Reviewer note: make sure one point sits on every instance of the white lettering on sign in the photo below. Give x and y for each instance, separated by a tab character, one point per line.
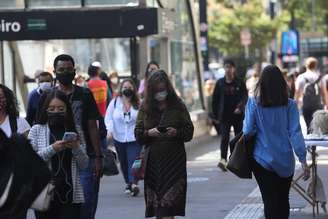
9	26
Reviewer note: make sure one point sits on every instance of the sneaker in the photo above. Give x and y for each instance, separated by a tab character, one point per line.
223	165
127	189
134	190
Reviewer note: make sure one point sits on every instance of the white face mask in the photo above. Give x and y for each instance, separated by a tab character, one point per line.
44	86
160	96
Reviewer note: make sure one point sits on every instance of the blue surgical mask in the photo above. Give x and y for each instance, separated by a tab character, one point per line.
44	86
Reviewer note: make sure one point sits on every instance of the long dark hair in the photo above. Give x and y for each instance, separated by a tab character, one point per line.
149	104
135	100
43	115
12	109
271	90
148	65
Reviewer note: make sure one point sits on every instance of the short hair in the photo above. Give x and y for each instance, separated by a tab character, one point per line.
46	74
92	70
229	62
311	63
63	57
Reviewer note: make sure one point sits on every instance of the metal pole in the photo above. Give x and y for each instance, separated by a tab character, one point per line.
2	78
14	71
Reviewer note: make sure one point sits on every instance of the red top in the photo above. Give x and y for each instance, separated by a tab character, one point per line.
99	90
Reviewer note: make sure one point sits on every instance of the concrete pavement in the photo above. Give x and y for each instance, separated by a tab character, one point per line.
212	194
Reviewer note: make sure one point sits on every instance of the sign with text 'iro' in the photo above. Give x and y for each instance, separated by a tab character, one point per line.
78	23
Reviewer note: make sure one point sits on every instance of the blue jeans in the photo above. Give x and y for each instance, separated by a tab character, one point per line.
127	153
90	186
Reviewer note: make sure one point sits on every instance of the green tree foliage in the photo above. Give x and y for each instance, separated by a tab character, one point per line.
225	27
301	13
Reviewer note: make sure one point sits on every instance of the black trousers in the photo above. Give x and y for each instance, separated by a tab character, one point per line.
237	123
60	211
308	116
275	192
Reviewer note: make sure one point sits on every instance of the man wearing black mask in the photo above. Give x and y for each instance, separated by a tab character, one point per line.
228	103
86	114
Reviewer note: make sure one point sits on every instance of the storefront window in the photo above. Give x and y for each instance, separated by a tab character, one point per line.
183	58
112	2
113	54
11	4
53	3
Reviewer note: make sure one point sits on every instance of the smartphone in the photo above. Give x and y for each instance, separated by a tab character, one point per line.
162	129
70	136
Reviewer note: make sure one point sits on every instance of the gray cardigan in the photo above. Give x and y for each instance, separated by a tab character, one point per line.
39	137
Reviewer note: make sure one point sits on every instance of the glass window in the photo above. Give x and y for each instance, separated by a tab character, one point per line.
14	4
183	58
112	2
53	3
113	54
152	3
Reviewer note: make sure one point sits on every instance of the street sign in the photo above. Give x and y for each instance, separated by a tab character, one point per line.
80	23
245	37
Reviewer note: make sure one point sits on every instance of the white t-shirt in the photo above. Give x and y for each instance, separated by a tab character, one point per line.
302	79
22	126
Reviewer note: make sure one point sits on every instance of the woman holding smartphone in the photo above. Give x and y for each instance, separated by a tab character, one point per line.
120	121
163	125
64	155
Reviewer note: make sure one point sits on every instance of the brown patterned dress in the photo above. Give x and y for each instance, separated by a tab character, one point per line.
166	175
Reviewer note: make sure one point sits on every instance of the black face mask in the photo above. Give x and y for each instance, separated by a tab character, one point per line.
66	77
127	92
56	120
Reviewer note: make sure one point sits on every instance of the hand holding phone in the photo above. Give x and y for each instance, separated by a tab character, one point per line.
162	129
70	136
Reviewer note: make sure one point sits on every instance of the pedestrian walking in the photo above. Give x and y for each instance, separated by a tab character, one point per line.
10	121
99	89
114	82
86	115
274	121
228	102
308	90
151	66
64	156
163	125
45	83
120	121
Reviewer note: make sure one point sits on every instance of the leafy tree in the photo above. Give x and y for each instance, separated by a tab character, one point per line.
226	24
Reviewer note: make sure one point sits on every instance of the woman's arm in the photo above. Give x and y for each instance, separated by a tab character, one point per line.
249	126
295	132
109	117
44	151
139	131
186	132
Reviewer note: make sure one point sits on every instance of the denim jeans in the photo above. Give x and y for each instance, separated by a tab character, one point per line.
90	186
127	153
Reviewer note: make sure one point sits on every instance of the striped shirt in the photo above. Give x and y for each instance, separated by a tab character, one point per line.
39	136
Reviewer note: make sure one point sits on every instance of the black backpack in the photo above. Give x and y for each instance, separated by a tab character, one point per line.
312	95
